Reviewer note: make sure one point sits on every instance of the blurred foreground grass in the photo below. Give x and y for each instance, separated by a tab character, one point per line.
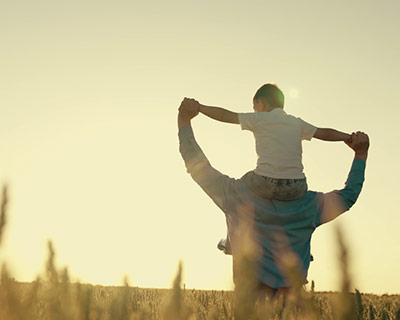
53	296
44	300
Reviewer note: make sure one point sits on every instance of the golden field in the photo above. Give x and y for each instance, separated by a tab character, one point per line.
53	296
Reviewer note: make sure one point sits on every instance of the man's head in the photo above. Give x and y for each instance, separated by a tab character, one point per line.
267	98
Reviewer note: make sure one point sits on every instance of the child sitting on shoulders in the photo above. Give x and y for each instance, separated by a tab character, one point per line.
278	136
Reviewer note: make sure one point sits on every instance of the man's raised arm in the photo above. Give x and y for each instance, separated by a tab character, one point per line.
336	202
210	180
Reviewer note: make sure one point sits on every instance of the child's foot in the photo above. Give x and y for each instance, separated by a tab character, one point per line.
225	246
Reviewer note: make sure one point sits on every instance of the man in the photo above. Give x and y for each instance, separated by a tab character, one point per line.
273	228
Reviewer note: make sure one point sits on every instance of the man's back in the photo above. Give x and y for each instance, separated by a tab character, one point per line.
277	227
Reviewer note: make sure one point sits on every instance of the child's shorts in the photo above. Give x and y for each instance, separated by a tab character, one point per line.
278	189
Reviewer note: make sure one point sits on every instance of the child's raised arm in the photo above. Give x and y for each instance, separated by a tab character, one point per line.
327	134
219	114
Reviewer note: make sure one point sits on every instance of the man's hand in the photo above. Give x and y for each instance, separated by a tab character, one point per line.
359	143
188	109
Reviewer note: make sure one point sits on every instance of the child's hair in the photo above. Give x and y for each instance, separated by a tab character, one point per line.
270	94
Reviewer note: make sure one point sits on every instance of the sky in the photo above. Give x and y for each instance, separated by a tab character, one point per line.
89	92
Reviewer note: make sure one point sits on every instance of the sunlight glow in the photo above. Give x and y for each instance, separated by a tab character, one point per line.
88	133
294	93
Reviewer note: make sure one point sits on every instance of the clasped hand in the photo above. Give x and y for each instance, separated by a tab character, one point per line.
359	142
189	108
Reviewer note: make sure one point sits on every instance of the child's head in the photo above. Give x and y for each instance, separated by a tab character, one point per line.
267	98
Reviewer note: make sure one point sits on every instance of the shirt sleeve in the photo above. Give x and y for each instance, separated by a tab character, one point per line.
307	130
247	120
337	202
214	183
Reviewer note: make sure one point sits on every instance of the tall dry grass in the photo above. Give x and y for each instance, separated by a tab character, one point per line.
54	297
3	209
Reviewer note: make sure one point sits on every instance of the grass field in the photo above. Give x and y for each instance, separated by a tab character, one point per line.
53	296
64	300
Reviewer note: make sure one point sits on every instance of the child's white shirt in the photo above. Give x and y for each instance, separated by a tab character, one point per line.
278	142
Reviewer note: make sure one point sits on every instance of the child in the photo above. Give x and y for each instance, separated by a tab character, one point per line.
279	171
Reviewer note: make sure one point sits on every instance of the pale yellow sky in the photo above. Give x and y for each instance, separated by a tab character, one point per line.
88	138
